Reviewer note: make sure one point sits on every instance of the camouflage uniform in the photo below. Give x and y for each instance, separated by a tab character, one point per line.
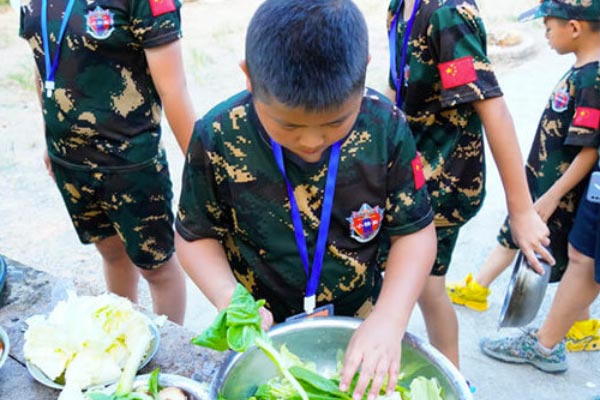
557	142
448	40
103	119
233	191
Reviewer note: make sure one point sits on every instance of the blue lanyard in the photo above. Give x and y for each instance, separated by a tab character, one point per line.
313	273
399	80
51	69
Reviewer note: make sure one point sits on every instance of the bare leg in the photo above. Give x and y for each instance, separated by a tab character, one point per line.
576	292
167	288
120	274
440	318
498	260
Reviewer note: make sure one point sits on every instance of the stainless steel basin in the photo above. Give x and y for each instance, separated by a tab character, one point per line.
319	340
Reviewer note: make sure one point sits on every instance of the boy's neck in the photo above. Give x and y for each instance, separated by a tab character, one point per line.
588	50
408	9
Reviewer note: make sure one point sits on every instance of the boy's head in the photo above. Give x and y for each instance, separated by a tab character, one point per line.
579	10
307	54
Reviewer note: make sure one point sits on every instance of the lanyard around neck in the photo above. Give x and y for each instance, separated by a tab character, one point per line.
51	68
313	274
399	78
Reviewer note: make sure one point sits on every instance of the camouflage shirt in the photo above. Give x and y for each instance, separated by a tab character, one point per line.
233	191
446	70
105	110
561	134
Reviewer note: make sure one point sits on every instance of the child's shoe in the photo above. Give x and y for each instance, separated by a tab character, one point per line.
469	293
584	336
526	349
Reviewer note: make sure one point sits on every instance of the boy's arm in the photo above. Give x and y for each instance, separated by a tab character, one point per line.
207	266
578	169
166	67
212	274
38	91
529	231
376	345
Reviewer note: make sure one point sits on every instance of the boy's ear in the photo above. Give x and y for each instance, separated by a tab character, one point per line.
244	68
576	28
368	58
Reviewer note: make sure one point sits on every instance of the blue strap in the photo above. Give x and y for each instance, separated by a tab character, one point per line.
313	273
51	68
399	79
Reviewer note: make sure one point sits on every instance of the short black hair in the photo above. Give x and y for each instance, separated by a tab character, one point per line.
307	53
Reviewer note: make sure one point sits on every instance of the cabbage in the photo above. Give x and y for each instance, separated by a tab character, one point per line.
85	339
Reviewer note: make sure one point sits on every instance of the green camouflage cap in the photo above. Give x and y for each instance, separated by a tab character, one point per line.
582	10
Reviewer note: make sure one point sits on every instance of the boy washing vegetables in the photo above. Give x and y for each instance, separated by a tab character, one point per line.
305	186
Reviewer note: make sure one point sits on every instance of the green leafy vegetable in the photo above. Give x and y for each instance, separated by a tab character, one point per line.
235	327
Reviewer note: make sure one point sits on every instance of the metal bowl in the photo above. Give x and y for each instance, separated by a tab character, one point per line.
193	389
42	378
5	346
3	273
319	340
524	294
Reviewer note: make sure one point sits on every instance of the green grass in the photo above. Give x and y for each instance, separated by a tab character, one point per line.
23	77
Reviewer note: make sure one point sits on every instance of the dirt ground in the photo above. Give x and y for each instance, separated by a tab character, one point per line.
34	226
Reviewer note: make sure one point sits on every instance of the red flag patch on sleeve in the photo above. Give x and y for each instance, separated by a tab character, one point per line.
160	7
587	117
418	175
457	72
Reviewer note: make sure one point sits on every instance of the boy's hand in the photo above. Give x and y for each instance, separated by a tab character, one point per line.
531	234
546	205
376	348
266	318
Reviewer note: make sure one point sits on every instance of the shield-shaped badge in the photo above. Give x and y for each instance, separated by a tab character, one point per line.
99	23
560	100
365	223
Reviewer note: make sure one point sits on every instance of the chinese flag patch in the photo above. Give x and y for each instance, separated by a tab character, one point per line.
457	72
160	7
587	117
418	175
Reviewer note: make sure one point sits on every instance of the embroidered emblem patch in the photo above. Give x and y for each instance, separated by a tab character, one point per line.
587	117
99	23
560	100
457	72
366	223
160	7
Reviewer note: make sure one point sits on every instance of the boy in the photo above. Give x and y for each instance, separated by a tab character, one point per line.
443	80
570	27
561	158
262	183
107	68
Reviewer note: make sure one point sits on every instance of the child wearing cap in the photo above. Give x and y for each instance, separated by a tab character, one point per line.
560	161
442	78
297	187
570	133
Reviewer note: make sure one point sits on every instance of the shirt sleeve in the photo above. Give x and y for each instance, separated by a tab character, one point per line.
200	214
457	39
408	207
584	129
155	22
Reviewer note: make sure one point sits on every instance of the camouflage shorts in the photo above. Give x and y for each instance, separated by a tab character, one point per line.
559	244
134	203
446	241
